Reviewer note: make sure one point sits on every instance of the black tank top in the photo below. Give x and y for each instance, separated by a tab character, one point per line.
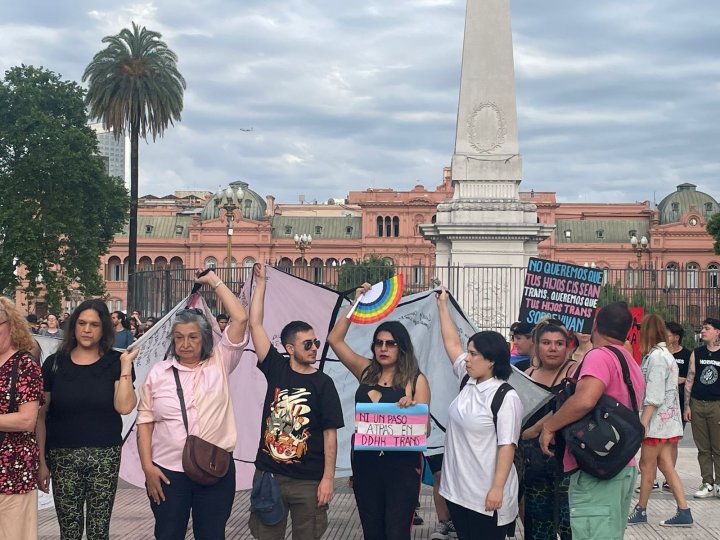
706	386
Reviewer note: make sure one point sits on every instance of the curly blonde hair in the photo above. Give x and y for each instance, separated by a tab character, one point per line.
20	335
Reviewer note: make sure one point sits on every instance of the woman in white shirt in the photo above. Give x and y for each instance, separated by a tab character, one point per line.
479	480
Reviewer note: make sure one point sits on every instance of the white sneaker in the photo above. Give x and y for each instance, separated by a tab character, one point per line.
705	491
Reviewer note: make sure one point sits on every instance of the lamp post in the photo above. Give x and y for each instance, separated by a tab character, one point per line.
303	243
228	199
639	247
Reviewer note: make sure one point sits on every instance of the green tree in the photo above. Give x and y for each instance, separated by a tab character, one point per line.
136	88
372	269
713	228
59	210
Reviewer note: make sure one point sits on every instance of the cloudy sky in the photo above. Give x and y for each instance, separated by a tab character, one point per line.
617	100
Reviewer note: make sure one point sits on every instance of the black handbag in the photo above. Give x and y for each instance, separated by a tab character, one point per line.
609	436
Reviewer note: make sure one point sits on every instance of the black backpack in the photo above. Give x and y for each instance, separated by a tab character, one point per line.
497	400
609	436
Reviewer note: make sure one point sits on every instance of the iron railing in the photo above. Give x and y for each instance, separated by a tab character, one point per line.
489	295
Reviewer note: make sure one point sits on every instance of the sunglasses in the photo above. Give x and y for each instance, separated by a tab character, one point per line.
308	343
389	343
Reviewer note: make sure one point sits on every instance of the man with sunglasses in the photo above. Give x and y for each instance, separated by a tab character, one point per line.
301	415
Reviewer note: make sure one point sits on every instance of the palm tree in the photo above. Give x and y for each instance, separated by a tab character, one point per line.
134	86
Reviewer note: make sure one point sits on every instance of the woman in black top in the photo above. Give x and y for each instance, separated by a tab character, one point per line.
547	512
88	386
386	484
674	339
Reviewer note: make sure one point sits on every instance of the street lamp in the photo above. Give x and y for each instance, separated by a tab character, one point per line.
639	247
228	199
303	243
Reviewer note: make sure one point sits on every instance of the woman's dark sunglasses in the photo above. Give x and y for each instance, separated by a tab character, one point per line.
389	343
308	343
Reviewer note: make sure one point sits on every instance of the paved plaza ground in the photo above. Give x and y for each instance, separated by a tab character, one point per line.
132	518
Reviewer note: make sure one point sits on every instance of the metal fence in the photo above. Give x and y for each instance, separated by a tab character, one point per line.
489	295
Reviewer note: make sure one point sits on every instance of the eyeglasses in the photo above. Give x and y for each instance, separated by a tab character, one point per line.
389	343
308	343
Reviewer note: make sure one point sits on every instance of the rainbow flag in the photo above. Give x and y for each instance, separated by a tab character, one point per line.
378	302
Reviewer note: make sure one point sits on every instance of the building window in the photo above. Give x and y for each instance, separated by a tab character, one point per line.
148	229
388	231
211	262
631	233
379	225
247	204
318	230
115	270
285	264
692	275
178	229
708	207
568	234
348	231
396	226
675	207
712	276
600	234
288	230
671	276
418	275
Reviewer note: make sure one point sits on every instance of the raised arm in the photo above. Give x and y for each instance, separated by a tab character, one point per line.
450	336
257	313
236	331
125	398
355	363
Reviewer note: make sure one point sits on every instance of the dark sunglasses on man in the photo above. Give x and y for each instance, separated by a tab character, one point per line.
308	343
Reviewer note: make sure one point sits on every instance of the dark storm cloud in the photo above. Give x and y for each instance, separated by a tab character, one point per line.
616	100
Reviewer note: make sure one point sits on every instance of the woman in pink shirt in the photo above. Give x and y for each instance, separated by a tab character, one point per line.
202	371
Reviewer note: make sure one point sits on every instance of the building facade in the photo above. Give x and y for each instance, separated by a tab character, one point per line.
188	230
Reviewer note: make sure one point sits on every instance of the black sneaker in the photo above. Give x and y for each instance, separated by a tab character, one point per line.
417	520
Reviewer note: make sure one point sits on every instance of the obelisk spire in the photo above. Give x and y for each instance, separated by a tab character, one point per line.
486	140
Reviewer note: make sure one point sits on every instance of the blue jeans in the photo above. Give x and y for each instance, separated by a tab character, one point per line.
210	505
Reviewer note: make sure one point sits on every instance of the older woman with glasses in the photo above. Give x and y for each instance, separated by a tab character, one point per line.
386	484
188	395
20	397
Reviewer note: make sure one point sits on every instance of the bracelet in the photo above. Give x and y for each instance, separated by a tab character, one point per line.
220	282
125	376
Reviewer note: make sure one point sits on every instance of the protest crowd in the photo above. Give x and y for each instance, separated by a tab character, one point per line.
580	463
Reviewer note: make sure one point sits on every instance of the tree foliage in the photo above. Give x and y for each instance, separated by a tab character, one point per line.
59	209
713	228
136	88
372	269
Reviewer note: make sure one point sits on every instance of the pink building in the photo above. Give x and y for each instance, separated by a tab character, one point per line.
188	230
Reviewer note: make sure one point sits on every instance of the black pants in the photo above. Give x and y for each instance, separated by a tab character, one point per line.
386	491
471	525
210	505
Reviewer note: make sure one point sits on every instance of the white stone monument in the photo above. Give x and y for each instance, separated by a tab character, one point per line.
485	224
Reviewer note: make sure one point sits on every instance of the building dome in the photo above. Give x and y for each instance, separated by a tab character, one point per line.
678	203
252	205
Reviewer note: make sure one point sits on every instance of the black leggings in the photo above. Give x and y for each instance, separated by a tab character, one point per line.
471	525
386	489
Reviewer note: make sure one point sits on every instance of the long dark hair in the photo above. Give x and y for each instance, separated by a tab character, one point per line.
107	338
122	318
406	368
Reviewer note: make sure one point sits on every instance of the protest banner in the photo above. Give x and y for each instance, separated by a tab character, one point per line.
634	334
564	291
388	427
